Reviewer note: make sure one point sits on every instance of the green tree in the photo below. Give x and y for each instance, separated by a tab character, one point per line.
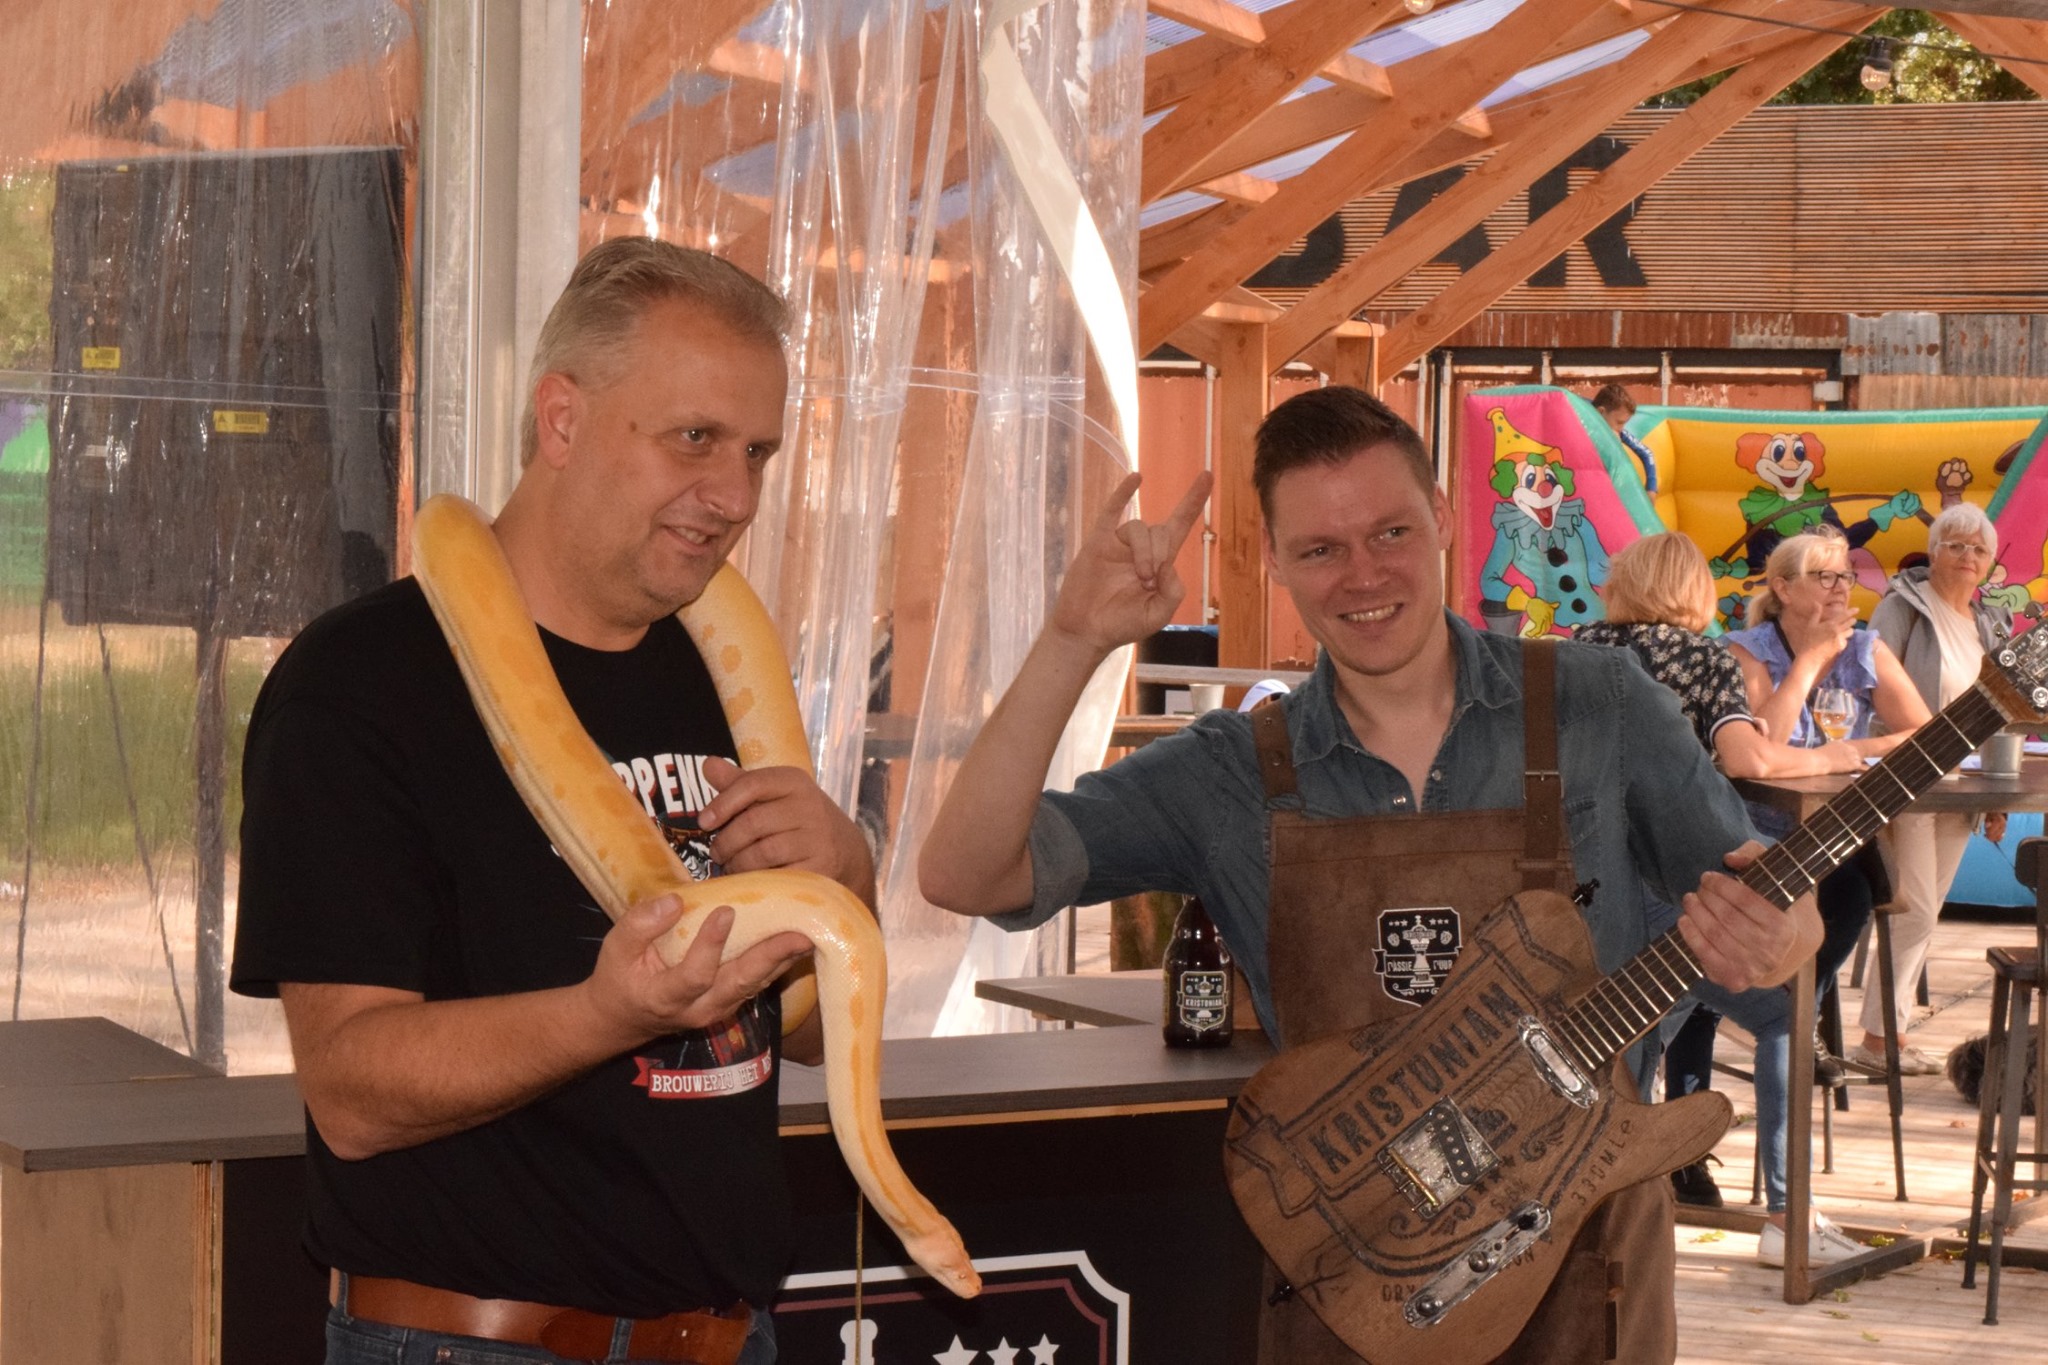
25	198
1931	64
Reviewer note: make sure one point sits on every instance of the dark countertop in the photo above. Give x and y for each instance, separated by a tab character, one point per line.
55	1124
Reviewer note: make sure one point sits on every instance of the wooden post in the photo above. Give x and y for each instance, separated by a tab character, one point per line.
1243	396
1355	357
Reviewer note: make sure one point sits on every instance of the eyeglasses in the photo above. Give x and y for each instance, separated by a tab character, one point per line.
1830	579
1965	547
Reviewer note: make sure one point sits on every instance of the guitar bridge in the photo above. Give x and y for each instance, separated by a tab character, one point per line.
1437	1158
1491	1252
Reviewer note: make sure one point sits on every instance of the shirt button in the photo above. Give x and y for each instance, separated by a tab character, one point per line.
1400	800
1436	774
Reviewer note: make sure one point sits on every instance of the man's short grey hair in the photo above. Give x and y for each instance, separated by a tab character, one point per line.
612	286
1963	521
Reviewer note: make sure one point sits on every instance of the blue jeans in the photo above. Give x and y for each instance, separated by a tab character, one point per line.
1767	1013
356	1341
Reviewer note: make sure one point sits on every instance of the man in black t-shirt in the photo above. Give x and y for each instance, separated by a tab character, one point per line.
522	1125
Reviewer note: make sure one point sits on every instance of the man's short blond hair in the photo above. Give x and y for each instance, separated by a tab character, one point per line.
613	286
1660	580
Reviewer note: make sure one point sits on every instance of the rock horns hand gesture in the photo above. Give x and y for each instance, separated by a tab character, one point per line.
1122	585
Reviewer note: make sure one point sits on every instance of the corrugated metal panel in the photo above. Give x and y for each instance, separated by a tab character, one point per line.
1806	209
1634	329
1985	343
1898	392
1893	343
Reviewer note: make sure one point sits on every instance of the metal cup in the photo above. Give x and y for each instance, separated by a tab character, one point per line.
2001	755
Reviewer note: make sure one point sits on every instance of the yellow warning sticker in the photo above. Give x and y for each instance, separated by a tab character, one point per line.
100	358
240	422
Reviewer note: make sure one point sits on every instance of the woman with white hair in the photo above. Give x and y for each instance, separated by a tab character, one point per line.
1933	620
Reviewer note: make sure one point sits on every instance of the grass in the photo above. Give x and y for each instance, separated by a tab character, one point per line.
85	773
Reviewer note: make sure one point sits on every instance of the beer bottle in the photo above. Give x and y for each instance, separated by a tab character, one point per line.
1197	975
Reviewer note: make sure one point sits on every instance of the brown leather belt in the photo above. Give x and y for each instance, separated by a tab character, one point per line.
696	1338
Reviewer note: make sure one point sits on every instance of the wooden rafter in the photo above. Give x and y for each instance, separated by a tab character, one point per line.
1326	114
1177	72
1251	82
1463	74
1610	93
1181	237
1645	164
1234	24
633	50
2016	37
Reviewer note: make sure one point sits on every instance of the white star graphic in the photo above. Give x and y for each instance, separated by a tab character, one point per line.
1042	1353
956	1355
1003	1353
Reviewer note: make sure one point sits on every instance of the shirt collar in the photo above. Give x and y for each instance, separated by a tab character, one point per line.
1318	724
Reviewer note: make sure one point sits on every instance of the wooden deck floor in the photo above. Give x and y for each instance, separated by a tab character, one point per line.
1732	1309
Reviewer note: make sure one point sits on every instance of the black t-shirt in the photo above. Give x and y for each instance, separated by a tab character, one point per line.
383	845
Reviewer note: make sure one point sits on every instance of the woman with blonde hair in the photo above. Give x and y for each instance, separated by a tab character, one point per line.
1660	597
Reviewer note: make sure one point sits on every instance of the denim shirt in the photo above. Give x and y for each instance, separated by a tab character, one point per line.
1646	810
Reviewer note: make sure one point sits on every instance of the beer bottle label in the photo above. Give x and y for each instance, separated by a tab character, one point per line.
1203	1001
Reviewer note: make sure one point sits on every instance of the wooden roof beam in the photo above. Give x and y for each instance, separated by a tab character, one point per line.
634	49
1608	94
1298	41
1173	74
2015	37
1234	24
1509	120
1645	164
1330	113
1452	81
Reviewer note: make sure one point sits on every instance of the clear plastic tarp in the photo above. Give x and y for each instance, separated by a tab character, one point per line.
203	443
947	438
209	213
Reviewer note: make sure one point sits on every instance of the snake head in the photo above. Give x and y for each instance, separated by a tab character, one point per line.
945	1259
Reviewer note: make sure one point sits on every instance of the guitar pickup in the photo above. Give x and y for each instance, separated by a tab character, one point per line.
1437	1158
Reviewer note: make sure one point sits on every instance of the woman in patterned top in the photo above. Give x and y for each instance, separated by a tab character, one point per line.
1660	596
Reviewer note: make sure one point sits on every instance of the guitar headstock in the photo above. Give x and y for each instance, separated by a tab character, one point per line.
2021	663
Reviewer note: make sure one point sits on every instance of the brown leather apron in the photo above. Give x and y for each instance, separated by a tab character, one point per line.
1342	892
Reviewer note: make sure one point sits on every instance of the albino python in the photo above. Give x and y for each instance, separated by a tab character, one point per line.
615	850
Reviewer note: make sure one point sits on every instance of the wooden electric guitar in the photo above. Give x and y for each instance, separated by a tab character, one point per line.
1420	1182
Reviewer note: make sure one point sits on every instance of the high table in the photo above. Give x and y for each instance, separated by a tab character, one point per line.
1970	793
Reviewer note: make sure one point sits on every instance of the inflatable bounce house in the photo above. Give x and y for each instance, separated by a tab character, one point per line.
1545	492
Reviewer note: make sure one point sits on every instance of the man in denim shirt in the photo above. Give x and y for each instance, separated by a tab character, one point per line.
1406	699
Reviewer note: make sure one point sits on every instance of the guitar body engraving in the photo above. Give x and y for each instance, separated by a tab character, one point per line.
1315	1149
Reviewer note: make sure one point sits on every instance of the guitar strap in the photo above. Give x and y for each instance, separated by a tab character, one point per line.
1545	864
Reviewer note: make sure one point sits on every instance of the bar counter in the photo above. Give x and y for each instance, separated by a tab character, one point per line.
152	1205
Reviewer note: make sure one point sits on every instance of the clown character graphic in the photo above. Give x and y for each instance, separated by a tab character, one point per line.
1787	501
1547	559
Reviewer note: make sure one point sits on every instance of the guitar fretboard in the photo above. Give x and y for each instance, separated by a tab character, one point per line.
1626	1003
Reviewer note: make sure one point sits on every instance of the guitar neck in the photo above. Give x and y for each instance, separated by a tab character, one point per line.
1626	1003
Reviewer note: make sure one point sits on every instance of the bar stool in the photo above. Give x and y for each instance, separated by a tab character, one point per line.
2016	980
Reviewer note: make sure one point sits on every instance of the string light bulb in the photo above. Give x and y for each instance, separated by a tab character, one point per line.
1419	6
1877	65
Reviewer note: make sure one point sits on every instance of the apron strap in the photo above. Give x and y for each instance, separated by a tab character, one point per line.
1544	864
1276	751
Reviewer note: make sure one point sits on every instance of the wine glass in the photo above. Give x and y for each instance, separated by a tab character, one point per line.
1833	711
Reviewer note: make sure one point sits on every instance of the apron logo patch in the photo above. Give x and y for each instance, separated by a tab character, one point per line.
1417	948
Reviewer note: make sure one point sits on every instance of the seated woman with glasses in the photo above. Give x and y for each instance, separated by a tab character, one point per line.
1659	598
1933	620
1808	670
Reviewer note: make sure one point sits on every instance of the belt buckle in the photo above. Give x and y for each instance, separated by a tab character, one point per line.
576	1335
